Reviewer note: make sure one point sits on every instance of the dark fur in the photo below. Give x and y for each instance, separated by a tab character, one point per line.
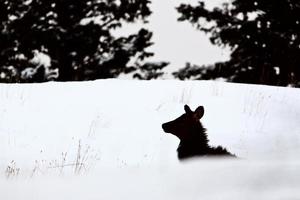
192	135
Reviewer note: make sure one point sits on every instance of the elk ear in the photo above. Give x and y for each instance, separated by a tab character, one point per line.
187	109
199	112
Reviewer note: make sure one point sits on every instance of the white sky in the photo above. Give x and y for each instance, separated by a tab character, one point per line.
179	42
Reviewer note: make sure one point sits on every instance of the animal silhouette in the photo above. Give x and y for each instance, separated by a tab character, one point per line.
192	135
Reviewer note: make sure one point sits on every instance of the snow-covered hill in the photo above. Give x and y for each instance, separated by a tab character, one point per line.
110	131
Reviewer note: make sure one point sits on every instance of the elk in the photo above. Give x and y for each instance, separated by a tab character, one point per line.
192	135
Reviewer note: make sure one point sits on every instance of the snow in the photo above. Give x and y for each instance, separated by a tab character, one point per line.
103	140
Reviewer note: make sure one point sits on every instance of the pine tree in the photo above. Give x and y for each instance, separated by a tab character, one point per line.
75	36
263	35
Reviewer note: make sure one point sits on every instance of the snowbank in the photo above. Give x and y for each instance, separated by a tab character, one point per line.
110	130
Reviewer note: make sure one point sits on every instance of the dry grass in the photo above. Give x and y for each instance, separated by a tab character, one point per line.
12	170
78	164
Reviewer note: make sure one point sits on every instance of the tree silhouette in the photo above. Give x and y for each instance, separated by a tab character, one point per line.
69	40
150	70
263	35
